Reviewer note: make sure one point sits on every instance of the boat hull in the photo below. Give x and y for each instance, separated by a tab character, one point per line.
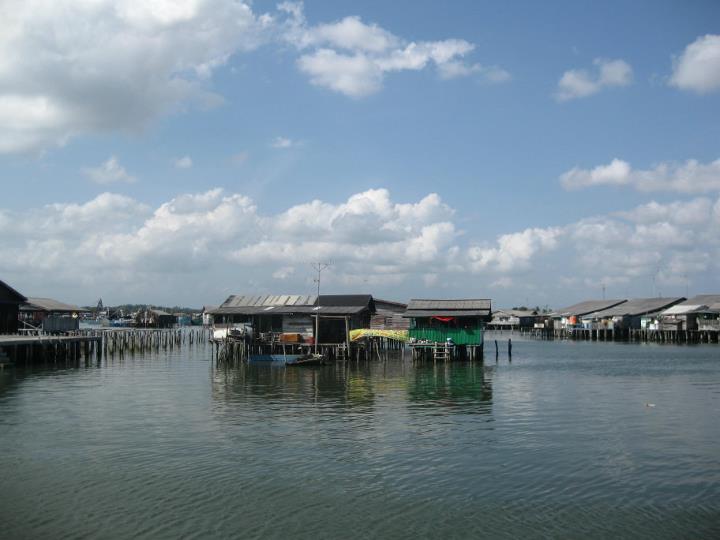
286	359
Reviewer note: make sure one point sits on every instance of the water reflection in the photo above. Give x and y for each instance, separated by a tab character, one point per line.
465	387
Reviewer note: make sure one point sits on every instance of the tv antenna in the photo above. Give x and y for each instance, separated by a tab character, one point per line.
319	267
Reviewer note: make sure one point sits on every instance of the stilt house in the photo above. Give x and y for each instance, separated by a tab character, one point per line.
292	317
436	321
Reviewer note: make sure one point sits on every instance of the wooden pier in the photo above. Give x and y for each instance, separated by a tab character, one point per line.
639	335
26	350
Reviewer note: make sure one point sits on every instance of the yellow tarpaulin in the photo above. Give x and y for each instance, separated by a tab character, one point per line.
397	335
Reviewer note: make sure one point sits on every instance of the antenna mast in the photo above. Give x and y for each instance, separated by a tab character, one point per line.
319	267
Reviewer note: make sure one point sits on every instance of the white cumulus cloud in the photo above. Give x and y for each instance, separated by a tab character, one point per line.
282	142
579	83
689	177
352	57
200	247
698	67
69	68
184	162
109	172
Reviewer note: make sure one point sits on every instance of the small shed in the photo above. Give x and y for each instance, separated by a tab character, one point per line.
51	315
10	301
436	321
709	319
513	319
207	317
155	318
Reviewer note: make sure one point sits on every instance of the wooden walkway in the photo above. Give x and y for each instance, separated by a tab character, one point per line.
28	349
94	343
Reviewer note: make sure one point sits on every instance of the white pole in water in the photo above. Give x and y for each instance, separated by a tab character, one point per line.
319	267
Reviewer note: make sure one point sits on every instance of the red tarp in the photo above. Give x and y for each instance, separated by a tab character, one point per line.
443	319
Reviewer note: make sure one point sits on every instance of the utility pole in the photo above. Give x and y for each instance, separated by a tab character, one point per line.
319	267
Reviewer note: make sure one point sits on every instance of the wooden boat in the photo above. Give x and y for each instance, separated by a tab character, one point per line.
298	360
308	360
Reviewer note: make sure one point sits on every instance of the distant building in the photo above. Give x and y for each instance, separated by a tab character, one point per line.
512	319
709	318
684	316
155	318
633	314
571	316
207	316
50	315
10	301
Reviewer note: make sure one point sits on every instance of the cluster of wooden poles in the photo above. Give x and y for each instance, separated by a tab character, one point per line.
232	351
95	343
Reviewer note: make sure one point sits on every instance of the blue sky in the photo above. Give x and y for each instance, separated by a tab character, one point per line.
169	152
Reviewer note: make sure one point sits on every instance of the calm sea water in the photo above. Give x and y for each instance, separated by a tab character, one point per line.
562	442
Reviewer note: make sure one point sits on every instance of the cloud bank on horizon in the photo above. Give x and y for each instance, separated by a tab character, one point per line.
371	240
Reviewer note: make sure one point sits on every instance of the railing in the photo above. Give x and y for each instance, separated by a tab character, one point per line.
460	336
708	325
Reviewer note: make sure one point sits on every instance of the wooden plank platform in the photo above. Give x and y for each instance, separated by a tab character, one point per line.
12	340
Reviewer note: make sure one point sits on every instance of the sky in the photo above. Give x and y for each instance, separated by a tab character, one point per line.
174	152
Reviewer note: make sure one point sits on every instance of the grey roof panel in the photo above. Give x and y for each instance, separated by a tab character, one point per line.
588	306
447	313
702	300
48	304
444	304
637	306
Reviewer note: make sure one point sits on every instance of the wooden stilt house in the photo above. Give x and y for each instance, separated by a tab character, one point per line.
459	324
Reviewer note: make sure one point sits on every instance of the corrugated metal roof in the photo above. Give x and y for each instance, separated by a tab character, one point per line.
330	304
238	301
48	304
389	304
447	313
516	312
636	306
482	304
683	309
702	300
588	306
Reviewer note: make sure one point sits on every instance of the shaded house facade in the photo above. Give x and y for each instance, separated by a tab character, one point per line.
436	321
389	316
207	317
155	318
630	315
292	317
10	301
51	315
684	316
572	316
709	319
